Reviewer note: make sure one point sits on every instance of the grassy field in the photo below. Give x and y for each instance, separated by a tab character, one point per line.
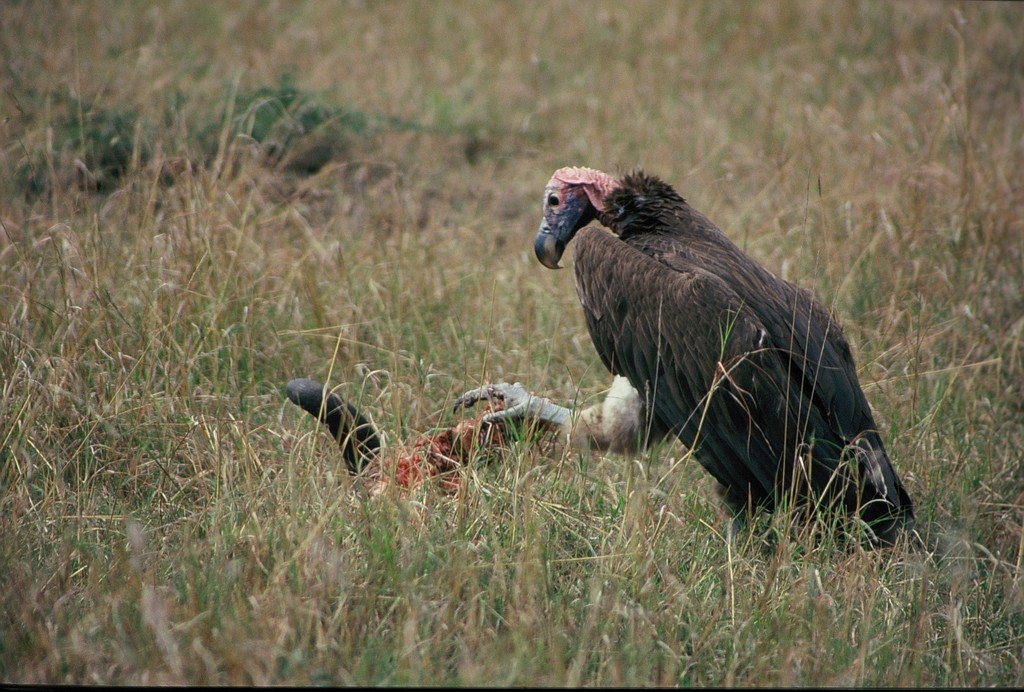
201	201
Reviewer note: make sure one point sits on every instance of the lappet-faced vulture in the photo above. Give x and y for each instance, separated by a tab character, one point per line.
752	373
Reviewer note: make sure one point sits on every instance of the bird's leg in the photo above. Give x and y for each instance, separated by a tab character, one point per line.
618	423
518	405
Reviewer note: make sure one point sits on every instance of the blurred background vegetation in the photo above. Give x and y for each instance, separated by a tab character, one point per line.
200	201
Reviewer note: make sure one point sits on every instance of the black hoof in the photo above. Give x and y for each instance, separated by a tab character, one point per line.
356	436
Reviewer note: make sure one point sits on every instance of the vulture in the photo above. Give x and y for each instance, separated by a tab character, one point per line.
749	371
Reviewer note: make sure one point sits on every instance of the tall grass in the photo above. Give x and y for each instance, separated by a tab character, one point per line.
199	202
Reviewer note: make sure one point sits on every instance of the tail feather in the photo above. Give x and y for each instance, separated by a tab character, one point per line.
886	507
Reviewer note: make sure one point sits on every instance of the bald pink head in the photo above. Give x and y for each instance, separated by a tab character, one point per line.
597	184
573	198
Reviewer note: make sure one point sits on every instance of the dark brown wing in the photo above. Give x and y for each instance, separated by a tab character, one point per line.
712	374
791	315
675	336
816	358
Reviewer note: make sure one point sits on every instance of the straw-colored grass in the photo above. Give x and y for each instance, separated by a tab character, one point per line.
200	201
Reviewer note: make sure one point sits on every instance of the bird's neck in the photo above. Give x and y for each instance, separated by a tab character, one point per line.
607	219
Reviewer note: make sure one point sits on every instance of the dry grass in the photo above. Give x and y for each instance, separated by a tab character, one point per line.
169	258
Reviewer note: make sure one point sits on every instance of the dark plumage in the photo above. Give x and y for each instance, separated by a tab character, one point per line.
749	371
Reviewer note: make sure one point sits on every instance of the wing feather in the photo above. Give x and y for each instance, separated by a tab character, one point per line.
672	341
711	373
792	316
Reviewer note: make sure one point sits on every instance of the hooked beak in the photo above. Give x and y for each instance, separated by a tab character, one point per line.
548	247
